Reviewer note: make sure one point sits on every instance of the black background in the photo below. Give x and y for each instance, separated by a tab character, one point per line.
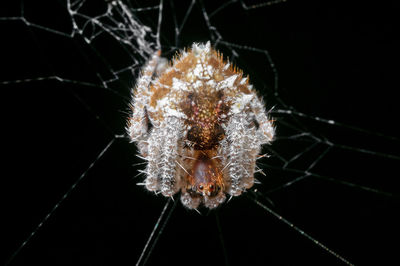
336	60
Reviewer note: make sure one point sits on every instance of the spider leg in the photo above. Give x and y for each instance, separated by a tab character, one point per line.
213	202
137	127
153	175
244	138
266	130
189	201
171	134
240	146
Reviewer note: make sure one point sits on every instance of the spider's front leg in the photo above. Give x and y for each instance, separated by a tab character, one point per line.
170	159
163	157
153	174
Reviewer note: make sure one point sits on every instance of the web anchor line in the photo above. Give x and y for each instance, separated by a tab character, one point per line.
322	177
57	205
297	229
147	250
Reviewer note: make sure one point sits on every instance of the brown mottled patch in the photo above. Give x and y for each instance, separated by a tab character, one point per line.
158	92
168	77
215	62
244	88
186	63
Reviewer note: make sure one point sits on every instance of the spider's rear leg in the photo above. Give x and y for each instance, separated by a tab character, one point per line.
139	123
266	129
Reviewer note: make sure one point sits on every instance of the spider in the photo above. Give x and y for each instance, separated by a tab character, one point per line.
199	125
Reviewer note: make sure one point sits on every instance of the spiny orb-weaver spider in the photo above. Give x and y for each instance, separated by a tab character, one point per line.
200	126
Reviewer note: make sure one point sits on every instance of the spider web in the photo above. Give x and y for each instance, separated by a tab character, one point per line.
326	195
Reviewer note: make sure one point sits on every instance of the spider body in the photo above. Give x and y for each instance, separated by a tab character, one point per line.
200	126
